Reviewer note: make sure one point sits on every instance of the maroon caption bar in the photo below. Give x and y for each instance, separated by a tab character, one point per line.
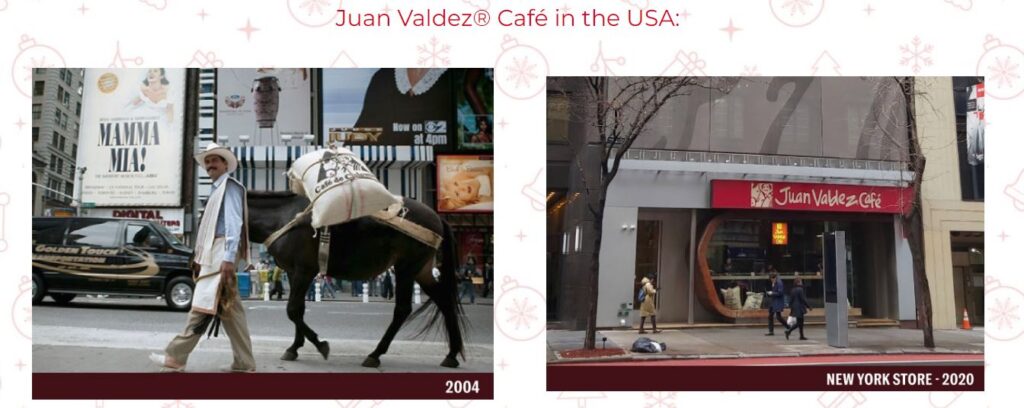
262	386
585	377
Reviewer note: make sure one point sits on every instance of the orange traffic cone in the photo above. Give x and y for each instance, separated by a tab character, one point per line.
967	321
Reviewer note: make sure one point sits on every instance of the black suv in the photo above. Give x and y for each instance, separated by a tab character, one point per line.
108	256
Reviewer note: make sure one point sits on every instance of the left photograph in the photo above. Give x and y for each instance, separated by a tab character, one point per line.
246	223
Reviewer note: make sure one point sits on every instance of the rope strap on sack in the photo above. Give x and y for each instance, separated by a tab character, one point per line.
412	229
287	227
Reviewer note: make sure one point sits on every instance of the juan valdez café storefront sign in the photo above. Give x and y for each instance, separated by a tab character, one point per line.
772	195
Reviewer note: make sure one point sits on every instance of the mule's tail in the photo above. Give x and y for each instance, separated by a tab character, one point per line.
449	297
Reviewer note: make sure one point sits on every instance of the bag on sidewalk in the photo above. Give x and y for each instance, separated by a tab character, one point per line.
791	321
646	345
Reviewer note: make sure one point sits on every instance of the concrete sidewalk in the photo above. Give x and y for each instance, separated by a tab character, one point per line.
718	343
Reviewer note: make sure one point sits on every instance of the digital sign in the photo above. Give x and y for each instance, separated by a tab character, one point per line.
780	234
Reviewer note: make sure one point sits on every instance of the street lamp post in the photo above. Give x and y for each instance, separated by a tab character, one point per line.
77	200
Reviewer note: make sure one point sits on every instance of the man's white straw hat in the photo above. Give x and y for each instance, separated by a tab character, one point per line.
221	151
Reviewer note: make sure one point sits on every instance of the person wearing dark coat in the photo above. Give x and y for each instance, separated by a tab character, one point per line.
798	307
778	303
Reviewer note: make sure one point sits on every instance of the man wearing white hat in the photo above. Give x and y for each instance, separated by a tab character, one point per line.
221	241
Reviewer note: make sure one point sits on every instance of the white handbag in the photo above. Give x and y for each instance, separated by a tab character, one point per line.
791	321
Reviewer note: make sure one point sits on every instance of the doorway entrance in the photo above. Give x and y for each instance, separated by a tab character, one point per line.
968	250
648	248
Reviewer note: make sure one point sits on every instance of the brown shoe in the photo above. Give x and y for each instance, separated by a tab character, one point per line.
642	332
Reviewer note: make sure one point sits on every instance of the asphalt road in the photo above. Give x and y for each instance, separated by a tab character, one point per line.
117	335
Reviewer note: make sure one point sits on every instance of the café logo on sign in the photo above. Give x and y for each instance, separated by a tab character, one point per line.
762	195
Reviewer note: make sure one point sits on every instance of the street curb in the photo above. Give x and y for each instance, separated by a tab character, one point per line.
630	356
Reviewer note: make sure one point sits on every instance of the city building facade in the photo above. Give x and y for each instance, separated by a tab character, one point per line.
737	178
56	113
953	200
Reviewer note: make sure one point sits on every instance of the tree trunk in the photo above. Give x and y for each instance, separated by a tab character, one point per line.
914	227
590	341
913	223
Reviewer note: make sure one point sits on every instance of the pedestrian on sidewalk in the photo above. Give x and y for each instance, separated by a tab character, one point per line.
467	281
326	286
798	307
647	307
263	269
278	285
778	302
387	285
373	287
488	277
221	243
311	292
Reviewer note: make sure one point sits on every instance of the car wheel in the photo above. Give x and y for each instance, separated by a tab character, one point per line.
179	293
62	298
38	289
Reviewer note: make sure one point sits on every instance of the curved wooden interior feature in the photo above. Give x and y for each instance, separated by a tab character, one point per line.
705	286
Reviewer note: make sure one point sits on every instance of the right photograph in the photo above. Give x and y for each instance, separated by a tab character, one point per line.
765	233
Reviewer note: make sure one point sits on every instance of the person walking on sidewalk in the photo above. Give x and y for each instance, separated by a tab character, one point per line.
221	243
778	302
357	288
278	285
798	307
467	281
311	292
488	278
326	286
387	285
647	307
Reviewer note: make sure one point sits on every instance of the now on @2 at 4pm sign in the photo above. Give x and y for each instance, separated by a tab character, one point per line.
130	139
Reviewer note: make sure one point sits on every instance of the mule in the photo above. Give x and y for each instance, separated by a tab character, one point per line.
361	249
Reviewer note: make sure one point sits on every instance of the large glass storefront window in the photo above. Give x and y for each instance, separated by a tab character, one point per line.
744	251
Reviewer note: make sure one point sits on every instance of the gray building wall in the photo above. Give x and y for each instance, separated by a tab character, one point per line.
618	262
904	274
877	292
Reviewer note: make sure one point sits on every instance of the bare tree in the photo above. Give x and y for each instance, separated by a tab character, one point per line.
897	139
912	221
623	107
